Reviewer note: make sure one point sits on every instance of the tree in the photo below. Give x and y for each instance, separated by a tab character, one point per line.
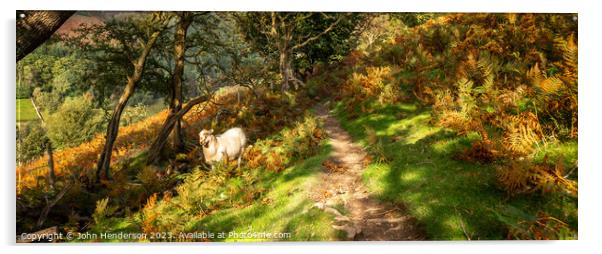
168	125
414	19
283	34
153	27
46	143
35	27
176	80
204	39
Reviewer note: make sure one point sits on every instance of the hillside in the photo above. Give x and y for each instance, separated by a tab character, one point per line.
408	127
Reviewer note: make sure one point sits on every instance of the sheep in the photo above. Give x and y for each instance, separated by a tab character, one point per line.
230	144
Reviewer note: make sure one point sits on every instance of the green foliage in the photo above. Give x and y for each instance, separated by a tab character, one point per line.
68	75
53	68
288	146
102	213
135	113
523	225
304	38
329	48
375	145
109	49
31	141
24	91
47	102
414	19
74	122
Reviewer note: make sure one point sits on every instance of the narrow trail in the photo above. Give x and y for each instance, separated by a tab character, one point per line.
342	193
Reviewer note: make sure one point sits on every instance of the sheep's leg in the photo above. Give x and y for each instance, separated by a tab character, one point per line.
225	158
242	150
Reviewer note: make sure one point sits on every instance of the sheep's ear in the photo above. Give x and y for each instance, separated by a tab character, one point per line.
211	131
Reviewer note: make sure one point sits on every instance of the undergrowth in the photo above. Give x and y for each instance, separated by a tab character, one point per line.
204	197
504	86
453	199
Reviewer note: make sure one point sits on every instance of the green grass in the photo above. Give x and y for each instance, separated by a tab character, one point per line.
451	199
25	111
288	209
284	207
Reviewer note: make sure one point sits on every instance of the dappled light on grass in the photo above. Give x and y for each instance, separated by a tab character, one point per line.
437	189
286	208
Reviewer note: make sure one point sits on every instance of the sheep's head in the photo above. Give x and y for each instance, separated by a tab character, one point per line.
205	137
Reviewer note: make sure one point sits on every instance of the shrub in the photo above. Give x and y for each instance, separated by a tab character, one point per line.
31	141
24	91
133	114
47	101
75	122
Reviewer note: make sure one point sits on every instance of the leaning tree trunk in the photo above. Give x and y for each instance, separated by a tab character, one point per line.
155	150
104	162
35	27
48	143
176	82
51	175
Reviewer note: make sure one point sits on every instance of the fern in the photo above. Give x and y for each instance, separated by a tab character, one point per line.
569	51
515	177
149	215
101	214
466	99
551	85
522	132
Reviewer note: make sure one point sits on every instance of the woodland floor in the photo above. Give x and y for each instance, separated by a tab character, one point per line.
341	192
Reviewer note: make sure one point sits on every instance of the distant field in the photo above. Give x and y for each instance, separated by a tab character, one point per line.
25	110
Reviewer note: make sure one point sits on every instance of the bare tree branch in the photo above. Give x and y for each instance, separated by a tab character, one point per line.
313	38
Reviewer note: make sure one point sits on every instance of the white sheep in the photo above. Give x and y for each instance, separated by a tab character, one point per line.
228	145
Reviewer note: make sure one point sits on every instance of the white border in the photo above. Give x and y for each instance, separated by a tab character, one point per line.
314	5
589	114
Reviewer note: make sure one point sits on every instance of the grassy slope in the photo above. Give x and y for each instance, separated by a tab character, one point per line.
25	110
452	199
288	208
284	208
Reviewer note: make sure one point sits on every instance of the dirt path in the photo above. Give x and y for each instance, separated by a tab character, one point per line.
342	193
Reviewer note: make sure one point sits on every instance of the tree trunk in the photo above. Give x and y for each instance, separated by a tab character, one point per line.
173	117
51	175
176	82
35	27
104	162
284	69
